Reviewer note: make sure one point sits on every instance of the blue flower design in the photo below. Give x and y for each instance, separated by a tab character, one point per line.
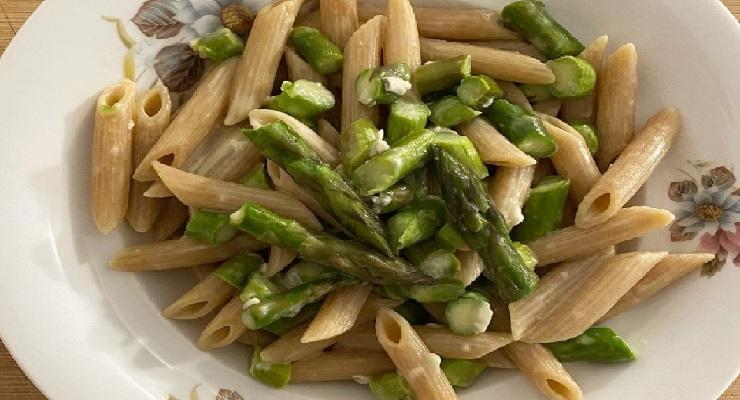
709	209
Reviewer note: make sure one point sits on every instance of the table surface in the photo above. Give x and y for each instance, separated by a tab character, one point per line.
13	382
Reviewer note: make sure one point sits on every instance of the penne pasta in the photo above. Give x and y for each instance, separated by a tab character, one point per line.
630	171
449	345
338	20
361	52
178	253
328	132
279	259
340	366
112	155
667	271
170	219
583	109
256	338
225	328
498	359
338	313
193	123
514	95
202	271
151	118
298	68
471	266
493	147
615	116
508	189
572	242
258	65
401	36
211	194
498	64
360	340
544	370
549	107
311	19
204	297
517	46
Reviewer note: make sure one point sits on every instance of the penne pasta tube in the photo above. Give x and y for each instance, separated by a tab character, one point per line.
498	359
471	266
151	117
112	155
544	370
258	65
170	219
630	171
311	19
449	345
211	194
338	313
549	107
508	189
178	253
360	340
202	271
340	366
279	259
615	116
328	132
361	52
517	46
298	68
225	328
667	271
198	118
204	297
498	64
493	147
338	20
401	36
256	338
514	95
583	109
572	242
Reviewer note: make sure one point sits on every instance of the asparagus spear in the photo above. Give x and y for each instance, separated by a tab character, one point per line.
530	19
450	111
543	209
406	116
307	272
383	85
359	143
283	146
209	227
413	312
256	177
258	288
385	169
219	45
442	291
536	93
302	99
285	305
437	76
483	227
273	374
589	135
528	256
449	237
393	198
236	270
434	258
416	222
283	325
478	91
462	373
599	344
468	314
463	149
390	386
574	77
522	128
323	55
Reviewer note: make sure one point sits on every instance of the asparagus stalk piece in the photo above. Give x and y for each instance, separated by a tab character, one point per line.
406	116
478	91
463	149
307	272
599	344
358	144
543	209
236	270
285	305
219	45
383	85
416	222
574	77
258	288
483	227
385	169
256	177
302	99
530	259
323	55
589	135
468	314
272	374
450	111
209	227
393	198
390	386
442	291
462	373
522	128
434	258
530	19
536	93
449	237
283	325
413	312
440	75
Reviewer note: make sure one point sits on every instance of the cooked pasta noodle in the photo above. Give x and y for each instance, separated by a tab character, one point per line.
508	190
338	313
492	146
544	370
361	52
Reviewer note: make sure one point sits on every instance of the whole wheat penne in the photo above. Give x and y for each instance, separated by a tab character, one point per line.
569	214
312	19
178	253
112	155
198	118
151	117
279	259
327	152
615	116
517	46
498	359
340	366
204	297
258	65
401	36
667	271
359	340
583	109
548	107
499	64
170	219
449	345
328	132
338	313
630	171
338	20
298	68
471	266
361	52
225	328
202	271
211	194
572	242
493	147
256	338
508	189
514	95
544	370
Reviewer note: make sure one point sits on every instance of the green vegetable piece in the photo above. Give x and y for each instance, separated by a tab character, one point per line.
236	270
209	227
461	373
393	198
323	55
463	149
385	169
543	209
269	227
219	45
406	116
437	76
589	135
272	374
258	287
413	312
383	85
478	91
530	19
284	305
307	272
358	144
468	314
434	259
449	237
522	128
599	344
574	77
450	111
416	222
536	93
302	99
256	177
441	291
530	259
283	325
390	386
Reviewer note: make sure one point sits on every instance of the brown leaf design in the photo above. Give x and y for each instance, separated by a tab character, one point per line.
157	18
678	234
721	177
677	189
225	394
714	266
178	66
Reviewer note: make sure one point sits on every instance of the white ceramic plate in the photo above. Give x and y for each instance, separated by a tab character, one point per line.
84	332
